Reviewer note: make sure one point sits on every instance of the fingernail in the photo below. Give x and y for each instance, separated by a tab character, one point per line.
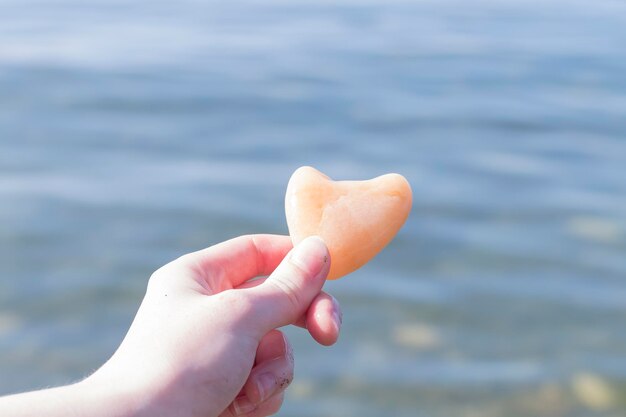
337	321
288	349
266	384
310	255
337	313
243	405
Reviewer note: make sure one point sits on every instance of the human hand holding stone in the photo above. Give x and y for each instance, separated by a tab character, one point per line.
204	341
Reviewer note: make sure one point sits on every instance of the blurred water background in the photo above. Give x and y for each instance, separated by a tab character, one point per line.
133	132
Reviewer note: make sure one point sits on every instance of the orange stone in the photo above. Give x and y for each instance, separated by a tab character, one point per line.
356	219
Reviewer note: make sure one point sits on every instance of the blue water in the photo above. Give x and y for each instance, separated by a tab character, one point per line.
133	132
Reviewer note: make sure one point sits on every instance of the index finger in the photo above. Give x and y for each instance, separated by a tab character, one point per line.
235	261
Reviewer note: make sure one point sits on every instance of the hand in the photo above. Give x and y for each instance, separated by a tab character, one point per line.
204	342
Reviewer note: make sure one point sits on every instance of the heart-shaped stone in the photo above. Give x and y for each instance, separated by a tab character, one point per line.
356	219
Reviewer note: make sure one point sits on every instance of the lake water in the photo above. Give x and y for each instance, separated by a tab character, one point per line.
133	132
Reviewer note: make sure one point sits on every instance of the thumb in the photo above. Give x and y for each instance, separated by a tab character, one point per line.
287	293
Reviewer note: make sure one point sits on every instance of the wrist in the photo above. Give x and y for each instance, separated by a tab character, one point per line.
75	400
123	389
106	395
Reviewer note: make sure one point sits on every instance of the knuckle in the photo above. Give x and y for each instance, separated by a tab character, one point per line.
297	268
288	288
162	277
157	279
184	264
187	258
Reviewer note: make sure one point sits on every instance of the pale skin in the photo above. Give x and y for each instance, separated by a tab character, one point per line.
204	342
